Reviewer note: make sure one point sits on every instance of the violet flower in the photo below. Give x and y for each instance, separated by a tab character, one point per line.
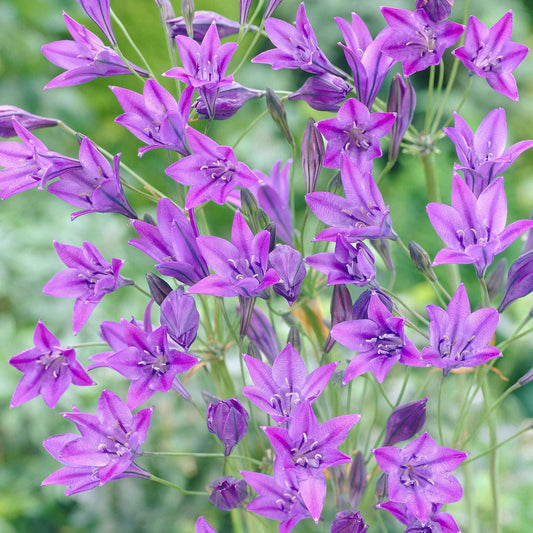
437	523
240	266
474	228
24	118
154	117
519	280
458	337
416	40
228	420
99	13
348	522
482	154
438	10
278	390
419	475
48	369
490	53
379	340
355	133
402	101
202	526
85	58
228	493
360	307
288	264
201	23
181	318
88	278
109	443
323	92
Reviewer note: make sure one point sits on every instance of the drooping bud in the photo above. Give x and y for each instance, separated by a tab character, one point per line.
437	9
201	23
402	101
271	8
187	10
357	479
279	115
495	278
405	421
228	493
360	307
324	92
381	492
294	339
159	288
340	309
24	118
229	99
382	247
250	209
519	280
244	7
228	420
180	316
262	334
348	522
421	260
288	264
313	151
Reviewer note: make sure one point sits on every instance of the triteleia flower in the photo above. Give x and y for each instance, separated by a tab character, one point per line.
202	526
482	154
109	443
474	228
519	280
289	265
405	421
228	420
355	133
278	390
323	92
490	53
85	58
24	118
98	11
416	40
88	278
228	493
348	522
437	523
201	23
240	266
419	474
402	101
458	337
379	340
437	9
181	318
48	369
360	307
154	117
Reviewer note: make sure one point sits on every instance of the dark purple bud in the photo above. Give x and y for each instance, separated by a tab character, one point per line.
437	9
246	308
159	288
228	420
149	219
495	278
381	492
357	479
250	209
340	309
294	339
324	92
288	264
201	22
360	307
180	316
402	101
519	280
382	247
421	260
253	351
244	7
272	6
405	421
279	115
313	151
228	493
229	99
187	10
271	228
28	120
338	477
348	522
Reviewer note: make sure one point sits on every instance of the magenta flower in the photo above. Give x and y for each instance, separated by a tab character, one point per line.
437	522
48	369
24	118
154	117
490	53
416	40
201	23
437	9
106	449
278	390
202	526
348	522
458	337
228	493
379	340
88	278
228	420
98	11
85	58
355	133
474	228
419	475
211	170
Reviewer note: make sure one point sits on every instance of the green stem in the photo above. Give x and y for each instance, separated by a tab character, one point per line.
430	173
140	289
404	386
439	417
87	345
485	300
250	127
515	337
202	455
429	107
174	486
499	445
385	171
384	394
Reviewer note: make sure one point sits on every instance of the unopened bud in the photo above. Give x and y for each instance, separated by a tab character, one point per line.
405	421
381	492
519	280
526	378
228	493
187	10
495	278
250	209
421	260
348	522
402	101
229	99
313	152
357	479
289	266
159	288
360	307
201	22
24	118
438	10
262	218
335	184
294	338
382	247
271	228
149	219
246	308
167	11
181	318
278	114
325	92
271	8
244	7
253	351
340	310
228	420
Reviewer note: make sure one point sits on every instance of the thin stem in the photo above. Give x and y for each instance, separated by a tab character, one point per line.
439	418
429	107
174	486
140	289
405	306
250	127
499	445
485	299
404	386
202	455
513	338
385	171
87	345
384	394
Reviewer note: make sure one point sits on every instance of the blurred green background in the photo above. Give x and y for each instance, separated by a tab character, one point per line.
31	221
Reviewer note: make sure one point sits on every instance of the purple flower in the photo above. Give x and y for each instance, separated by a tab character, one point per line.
228	493
402	101
172	244
458	337
474	228
278	390
360	307
437	523
482	154
88	278
109	443
244	7
24	118
85	58
420	474
48	369
154	117
228	420
296	46
98	11
519	280
240	266
201	23
145	358
437	9
379	340
324	92
202	526
181	318
347	264
405	421
211	170
490	53
348	522
416	40
361	215
288	264
354	132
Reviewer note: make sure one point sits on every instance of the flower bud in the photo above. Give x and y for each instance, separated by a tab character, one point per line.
405	421
495	278
246	308
381	492
228	420
357	479
200	24
382	247
402	101
360	307
253	351
187	10
228	493
149	219
526	378
271	8
348	522
271	228
289	265
335	184
166	9
519	280
159	288
229	99
438	10
250	209
294	339
421	260
279	115
324	92
313	151
340	308
262	334
180	316
244	7
24	118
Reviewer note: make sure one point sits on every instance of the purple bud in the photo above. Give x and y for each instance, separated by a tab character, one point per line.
294	339
279	115
360	307
289	265
28	120
180	316
187	10
159	288
271	228
246	308
324	92
201	23
405	421
421	260
519	280
402	101
526	378
495	278
229	99
262	334
228	420
357	479
244	7
167	11
348	522
313	151
437	9
381	492
228	493
340	309
253	351
272	6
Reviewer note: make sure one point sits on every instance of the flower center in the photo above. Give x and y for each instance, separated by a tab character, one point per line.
53	361
221	169
305	454
484	60
415	475
358	138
